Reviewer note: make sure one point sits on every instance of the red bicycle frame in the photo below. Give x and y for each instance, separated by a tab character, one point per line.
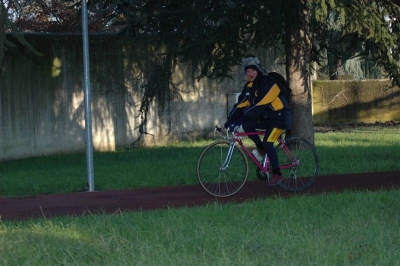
238	136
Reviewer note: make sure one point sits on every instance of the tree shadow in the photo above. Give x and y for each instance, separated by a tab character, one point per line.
353	103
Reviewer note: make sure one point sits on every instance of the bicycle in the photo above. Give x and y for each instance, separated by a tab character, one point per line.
222	167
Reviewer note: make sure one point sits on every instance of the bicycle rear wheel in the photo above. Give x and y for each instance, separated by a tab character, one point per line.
300	170
219	174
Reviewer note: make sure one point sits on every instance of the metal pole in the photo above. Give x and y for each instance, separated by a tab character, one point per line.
88	112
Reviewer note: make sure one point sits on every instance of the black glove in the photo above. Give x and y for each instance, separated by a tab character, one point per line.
241	120
228	123
232	127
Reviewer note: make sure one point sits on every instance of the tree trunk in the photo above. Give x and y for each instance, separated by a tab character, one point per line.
334	63
3	16
298	49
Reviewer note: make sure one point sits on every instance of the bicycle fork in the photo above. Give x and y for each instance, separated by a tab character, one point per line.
228	158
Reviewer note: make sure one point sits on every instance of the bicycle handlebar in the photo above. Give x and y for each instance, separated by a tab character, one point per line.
237	132
218	130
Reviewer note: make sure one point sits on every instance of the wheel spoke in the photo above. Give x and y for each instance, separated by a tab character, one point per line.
217	175
300	176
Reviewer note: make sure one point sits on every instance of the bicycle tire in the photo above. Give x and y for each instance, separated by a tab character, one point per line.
301	175
213	178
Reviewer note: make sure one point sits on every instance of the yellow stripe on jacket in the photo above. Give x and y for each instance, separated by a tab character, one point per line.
272	98
243	104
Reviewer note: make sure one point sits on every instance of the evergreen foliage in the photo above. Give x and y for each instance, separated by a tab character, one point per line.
7	26
365	29
214	35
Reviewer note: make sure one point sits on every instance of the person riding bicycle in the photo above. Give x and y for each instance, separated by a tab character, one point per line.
260	106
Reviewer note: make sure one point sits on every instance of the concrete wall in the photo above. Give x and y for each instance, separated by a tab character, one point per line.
42	108
368	101
42	98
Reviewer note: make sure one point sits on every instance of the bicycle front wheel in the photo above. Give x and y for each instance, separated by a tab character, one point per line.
222	169
299	163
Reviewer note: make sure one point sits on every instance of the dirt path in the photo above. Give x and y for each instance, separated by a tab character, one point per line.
155	198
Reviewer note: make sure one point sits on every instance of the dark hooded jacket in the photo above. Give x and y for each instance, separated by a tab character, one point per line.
261	100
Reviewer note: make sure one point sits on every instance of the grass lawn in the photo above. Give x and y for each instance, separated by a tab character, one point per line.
351	228
369	149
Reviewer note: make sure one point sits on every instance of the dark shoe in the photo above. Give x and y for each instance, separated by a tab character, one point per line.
275	180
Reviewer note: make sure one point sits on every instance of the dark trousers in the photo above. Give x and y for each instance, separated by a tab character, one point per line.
251	126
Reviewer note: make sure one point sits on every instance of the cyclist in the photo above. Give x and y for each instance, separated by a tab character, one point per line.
260	106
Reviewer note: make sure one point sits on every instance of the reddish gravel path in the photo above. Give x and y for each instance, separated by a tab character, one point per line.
155	198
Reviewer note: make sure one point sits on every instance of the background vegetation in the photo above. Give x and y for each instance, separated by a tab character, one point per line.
213	36
352	150
359	228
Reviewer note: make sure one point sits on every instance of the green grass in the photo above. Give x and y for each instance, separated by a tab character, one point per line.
138	168
350	228
358	150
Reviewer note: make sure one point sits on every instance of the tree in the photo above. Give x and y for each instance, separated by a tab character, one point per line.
214	35
298	63
347	29
9	11
57	16
21	16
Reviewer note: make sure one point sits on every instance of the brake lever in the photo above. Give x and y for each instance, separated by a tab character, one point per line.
217	130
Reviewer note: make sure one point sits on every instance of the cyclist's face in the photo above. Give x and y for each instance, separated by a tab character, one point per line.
251	74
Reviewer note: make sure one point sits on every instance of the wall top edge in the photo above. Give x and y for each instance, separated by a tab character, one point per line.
350	80
66	34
